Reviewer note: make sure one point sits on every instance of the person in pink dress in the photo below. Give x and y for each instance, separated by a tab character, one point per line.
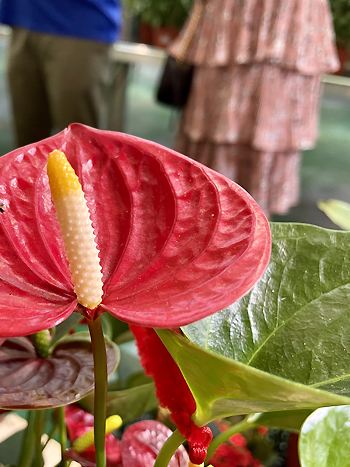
254	101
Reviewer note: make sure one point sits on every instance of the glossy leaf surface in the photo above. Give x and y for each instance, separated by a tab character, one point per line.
325	438
142	442
292	328
337	211
294	324
27	381
223	387
177	241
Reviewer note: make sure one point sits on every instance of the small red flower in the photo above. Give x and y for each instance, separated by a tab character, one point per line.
263	430
229	455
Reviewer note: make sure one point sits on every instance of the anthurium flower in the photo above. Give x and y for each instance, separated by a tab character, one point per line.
139	447
141	443
176	241
78	423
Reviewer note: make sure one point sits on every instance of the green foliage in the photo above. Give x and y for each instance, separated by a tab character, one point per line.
337	211
276	348
290	420
341	19
294	324
160	12
325	438
223	387
129	403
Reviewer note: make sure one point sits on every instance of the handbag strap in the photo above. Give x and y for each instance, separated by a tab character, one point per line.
190	29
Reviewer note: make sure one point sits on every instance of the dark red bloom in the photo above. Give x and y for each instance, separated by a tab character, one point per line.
172	390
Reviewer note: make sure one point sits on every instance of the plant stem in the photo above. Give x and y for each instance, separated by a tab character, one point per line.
27	449
169	448
244	425
39	429
62	432
100	395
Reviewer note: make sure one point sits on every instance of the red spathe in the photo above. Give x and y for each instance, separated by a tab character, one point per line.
177	241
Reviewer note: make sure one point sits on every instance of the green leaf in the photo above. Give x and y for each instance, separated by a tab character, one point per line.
325	438
290	337
63	329
128	403
223	387
114	328
295	322
290	420
337	211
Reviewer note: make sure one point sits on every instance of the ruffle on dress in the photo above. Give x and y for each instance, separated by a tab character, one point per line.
272	178
267	107
296	34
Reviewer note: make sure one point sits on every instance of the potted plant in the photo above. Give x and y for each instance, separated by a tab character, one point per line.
160	20
341	20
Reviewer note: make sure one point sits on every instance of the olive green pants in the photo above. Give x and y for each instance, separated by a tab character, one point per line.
54	81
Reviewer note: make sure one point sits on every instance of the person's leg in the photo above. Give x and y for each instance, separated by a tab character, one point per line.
77	73
28	95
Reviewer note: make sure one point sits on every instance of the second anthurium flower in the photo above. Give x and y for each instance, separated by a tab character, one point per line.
176	241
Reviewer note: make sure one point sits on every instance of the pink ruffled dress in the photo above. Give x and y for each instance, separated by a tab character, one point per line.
254	99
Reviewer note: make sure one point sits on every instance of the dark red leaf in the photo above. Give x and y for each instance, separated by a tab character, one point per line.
177	240
142	442
27	381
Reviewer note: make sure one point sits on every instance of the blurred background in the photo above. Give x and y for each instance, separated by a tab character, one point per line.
149	26
138	58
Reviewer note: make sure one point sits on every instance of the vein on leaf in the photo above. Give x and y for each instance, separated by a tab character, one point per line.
277	328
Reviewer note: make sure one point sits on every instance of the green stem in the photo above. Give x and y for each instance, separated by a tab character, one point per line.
27	449
62	433
100	395
39	429
169	448
244	425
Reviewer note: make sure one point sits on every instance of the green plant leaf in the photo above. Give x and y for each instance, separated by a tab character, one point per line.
325	438
290	420
337	211
223	387
63	329
277	347
128	403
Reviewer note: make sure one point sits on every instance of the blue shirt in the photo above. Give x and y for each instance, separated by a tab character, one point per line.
98	20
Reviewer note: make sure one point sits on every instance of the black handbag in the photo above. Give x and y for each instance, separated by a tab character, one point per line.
176	79
175	83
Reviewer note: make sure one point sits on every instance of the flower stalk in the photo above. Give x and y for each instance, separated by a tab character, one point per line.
100	395
169	448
